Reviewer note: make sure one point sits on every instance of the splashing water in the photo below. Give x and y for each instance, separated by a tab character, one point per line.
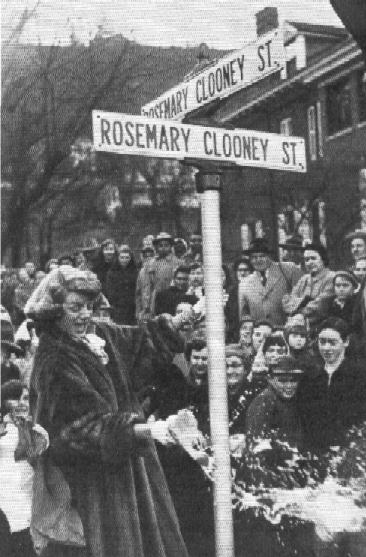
333	497
276	481
331	507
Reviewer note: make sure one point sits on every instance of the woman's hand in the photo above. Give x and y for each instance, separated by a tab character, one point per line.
183	428
186	316
160	432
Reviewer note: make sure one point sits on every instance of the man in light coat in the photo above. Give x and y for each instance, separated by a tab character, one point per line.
310	295
161	268
263	290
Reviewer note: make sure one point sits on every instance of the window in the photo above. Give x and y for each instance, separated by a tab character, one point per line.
339	113
320	128
361	95
286	126
313	152
294	219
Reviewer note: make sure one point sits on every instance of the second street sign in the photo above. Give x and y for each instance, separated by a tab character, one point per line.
136	135
231	73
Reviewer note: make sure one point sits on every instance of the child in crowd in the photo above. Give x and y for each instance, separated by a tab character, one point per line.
20	441
246	337
261	330
342	304
272	347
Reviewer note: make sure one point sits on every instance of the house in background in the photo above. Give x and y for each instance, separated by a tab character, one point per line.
322	98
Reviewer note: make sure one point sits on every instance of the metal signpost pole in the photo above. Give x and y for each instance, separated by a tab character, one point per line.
210	149
209	184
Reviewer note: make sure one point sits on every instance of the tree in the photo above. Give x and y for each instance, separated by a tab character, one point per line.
48	93
45	109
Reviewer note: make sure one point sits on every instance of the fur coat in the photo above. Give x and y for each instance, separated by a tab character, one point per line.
116	484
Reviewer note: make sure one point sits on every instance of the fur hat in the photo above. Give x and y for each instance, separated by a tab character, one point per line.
44	300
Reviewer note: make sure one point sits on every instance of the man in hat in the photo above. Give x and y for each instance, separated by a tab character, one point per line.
143	284
161	270
261	297
310	295
275	409
292	249
357	244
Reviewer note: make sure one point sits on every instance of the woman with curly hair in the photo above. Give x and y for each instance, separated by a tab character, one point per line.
106	494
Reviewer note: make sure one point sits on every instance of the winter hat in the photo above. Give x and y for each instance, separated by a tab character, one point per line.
163	236
348	275
286	366
45	301
258	245
295	330
359	233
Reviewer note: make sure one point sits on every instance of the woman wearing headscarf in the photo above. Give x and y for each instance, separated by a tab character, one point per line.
106	494
121	286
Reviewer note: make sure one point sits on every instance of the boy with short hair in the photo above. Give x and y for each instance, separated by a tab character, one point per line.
275	409
341	304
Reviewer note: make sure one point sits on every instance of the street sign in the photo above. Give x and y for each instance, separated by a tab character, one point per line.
137	135
235	71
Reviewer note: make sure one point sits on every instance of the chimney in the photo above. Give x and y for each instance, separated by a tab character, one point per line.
267	19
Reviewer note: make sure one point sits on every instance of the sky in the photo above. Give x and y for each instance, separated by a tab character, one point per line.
222	24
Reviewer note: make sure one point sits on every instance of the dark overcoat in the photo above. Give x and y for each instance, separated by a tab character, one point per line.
120	288
329	409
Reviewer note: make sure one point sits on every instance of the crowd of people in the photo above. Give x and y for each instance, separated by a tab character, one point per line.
104	377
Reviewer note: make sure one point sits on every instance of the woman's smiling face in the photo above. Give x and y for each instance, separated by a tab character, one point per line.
78	310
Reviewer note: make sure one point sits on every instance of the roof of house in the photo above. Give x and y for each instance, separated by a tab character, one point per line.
316	29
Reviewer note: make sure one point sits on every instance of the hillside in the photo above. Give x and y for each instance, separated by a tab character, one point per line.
48	93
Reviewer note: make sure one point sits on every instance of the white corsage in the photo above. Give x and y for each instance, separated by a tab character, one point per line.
96	345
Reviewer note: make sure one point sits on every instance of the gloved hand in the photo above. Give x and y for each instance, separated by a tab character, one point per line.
160	432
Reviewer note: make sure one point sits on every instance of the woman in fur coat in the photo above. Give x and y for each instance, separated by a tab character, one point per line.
99	488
